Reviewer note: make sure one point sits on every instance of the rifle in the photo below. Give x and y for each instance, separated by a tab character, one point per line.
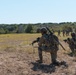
54	38
68	39
65	40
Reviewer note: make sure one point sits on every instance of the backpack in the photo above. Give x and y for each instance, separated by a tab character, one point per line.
51	39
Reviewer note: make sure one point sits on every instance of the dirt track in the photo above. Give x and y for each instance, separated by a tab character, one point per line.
20	60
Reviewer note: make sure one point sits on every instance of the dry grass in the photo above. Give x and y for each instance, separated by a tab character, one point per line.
19	40
16	39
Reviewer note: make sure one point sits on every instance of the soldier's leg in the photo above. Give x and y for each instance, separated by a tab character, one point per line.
54	57
40	55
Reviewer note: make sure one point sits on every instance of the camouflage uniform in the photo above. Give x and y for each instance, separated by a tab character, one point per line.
72	42
45	46
59	32
63	32
67	32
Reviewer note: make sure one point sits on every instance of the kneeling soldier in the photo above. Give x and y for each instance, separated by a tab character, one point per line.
47	46
72	42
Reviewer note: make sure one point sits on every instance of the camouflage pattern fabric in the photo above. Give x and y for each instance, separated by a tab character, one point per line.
48	45
72	44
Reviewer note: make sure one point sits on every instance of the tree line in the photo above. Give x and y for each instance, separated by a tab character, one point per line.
34	28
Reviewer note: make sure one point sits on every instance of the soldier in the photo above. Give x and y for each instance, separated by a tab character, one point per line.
73	47
67	32
47	46
59	32
63	32
72	42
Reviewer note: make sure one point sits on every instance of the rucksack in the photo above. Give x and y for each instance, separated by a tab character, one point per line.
52	39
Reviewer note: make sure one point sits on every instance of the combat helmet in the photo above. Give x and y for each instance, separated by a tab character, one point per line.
43	30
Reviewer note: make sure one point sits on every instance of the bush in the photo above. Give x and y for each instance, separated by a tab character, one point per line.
29	29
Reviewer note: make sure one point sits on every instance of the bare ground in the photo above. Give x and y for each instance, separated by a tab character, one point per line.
21	60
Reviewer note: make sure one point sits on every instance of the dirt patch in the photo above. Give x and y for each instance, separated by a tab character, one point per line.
16	61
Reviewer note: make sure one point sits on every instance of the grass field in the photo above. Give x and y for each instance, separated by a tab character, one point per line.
16	39
13	40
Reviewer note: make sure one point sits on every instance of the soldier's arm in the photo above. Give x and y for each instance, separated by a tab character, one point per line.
37	40
68	40
34	42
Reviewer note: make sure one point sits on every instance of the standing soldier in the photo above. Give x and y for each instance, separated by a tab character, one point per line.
67	32
63	32
59	32
47	46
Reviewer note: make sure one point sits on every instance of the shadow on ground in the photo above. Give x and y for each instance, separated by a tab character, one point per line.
43	67
46	68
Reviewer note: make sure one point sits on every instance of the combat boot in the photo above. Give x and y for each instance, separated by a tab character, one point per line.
40	57
56	63
39	61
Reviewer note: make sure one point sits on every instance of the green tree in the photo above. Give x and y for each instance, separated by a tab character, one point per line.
29	29
2	31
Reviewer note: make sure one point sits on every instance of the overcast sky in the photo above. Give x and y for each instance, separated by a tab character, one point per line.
37	11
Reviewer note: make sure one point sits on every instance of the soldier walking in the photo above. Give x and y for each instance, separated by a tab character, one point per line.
59	32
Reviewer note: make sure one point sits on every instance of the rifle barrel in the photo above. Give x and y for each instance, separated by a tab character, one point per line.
54	39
